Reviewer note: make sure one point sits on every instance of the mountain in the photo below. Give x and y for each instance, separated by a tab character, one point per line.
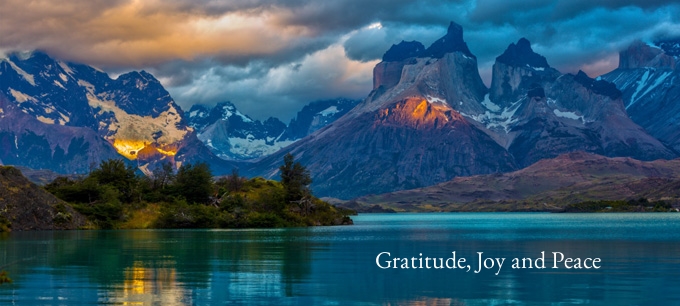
26	206
430	118
567	179
133	113
232	135
315	116
649	79
405	134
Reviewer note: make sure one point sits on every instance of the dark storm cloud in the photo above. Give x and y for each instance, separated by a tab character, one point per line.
272	57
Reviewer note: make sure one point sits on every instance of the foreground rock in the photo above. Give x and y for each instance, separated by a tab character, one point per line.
25	206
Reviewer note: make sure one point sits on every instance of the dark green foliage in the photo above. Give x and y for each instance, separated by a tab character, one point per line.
295	179
190	199
115	173
194	183
639	205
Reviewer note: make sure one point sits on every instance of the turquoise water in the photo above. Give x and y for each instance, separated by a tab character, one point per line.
640	263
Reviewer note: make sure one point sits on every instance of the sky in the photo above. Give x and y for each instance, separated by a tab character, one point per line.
270	58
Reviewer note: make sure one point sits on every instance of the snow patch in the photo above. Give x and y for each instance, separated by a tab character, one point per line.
431	99
329	111
495	120
250	147
66	68
641	84
536	68
59	84
27	76
230	110
490	105
568	115
63	77
45	120
20	96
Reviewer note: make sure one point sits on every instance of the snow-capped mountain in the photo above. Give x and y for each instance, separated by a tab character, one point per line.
232	135
235	136
430	118
133	112
649	78
316	115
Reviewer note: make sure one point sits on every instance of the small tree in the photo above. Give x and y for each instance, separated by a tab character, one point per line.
194	183
115	173
295	179
163	176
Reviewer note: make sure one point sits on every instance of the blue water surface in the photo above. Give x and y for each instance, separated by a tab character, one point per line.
639	253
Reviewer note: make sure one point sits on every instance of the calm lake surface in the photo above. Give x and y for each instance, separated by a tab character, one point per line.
640	256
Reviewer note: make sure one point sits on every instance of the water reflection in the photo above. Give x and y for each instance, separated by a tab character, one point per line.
336	265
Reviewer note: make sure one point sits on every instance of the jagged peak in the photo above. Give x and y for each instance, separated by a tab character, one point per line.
451	42
642	55
670	46
403	50
521	54
600	87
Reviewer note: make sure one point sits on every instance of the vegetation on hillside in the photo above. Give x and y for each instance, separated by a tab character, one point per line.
640	205
115	196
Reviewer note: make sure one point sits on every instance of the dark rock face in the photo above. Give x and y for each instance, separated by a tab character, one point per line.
521	54
28	207
403	50
518	70
450	43
641	55
650	85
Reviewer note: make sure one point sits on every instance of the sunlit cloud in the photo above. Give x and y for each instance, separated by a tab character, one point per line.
271	57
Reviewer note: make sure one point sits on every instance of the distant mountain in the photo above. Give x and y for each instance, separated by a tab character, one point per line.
430	118
315	116
133	113
649	78
232	135
548	184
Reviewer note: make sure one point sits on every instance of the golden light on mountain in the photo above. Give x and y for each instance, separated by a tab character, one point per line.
129	148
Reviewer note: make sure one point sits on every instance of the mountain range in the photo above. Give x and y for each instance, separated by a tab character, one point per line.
428	119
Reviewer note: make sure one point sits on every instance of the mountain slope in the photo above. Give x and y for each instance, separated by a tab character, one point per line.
133	112
649	78
28	207
569	178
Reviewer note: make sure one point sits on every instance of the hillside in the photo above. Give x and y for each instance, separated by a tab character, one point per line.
25	206
546	185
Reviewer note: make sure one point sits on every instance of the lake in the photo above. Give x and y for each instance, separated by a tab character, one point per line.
639	253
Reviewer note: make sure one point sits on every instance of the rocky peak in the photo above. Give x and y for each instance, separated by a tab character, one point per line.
518	70
642	55
600	87
403	50
670	47
521	54
451	42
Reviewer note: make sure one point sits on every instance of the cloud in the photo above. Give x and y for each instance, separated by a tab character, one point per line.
271	57
283	90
